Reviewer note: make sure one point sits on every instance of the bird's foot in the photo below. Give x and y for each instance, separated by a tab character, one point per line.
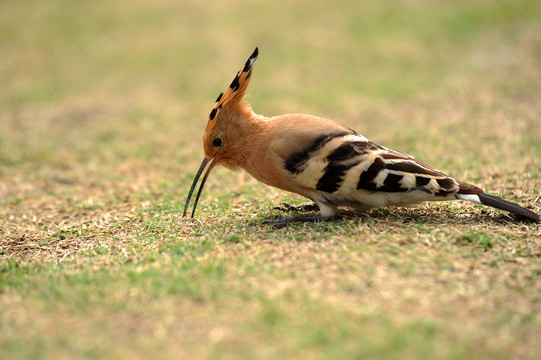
311	206
282	222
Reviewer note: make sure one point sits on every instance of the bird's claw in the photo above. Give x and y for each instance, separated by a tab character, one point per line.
276	224
302	207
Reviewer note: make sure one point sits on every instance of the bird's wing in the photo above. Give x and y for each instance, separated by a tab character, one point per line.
343	162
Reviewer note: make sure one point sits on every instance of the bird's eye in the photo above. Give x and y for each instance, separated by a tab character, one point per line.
217	142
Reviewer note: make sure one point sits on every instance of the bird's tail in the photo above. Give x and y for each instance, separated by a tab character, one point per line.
474	194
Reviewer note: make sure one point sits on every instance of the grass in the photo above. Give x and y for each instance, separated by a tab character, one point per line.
102	108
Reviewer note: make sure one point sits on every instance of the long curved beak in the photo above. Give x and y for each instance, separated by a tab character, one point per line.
199	172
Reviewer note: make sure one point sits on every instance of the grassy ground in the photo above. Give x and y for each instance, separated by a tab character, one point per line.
102	108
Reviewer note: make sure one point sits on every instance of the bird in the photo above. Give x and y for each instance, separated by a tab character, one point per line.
322	160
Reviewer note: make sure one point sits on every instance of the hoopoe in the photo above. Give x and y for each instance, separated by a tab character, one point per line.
322	160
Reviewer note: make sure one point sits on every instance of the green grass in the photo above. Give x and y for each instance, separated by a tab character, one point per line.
102	108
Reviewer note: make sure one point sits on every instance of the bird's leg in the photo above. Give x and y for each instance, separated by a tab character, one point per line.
311	206
282	222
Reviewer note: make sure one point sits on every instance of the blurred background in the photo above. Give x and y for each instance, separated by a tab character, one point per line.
91	85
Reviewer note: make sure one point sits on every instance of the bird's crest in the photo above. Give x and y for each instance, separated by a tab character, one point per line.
233	95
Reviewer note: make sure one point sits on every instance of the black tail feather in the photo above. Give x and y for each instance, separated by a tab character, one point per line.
499	203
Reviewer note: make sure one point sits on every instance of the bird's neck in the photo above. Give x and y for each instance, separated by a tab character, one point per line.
247	129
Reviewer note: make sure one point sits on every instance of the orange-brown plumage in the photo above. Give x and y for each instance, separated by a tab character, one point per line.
322	160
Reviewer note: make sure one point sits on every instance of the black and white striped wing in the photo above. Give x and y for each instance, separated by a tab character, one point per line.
346	164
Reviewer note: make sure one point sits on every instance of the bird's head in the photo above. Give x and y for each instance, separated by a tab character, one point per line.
223	137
